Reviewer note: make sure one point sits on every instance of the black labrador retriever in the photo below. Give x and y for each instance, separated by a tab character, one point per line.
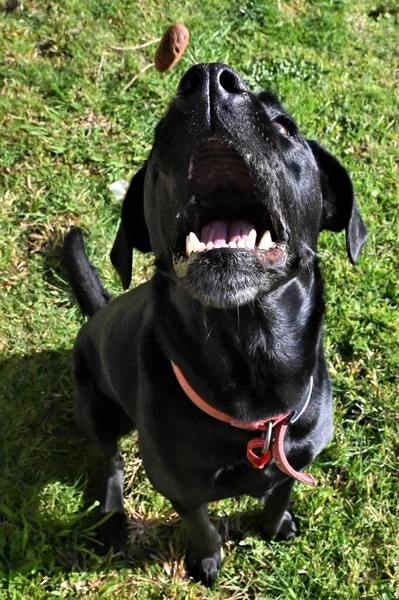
218	360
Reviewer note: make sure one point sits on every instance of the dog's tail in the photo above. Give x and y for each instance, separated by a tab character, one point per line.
82	276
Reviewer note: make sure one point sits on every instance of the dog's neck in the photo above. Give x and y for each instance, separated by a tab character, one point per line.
267	348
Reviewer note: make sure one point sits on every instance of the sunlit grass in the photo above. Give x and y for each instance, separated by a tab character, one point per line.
67	132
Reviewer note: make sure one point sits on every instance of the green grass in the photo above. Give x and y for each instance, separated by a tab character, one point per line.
67	132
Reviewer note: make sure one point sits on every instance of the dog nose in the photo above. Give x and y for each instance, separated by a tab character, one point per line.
211	80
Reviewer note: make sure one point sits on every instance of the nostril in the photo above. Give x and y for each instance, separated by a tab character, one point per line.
230	82
212	78
190	83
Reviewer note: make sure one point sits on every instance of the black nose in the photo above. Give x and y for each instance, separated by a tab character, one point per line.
211	82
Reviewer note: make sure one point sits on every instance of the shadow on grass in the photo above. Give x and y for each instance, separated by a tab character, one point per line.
44	458
48	480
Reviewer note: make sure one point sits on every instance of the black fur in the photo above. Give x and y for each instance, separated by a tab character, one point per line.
245	331
82	276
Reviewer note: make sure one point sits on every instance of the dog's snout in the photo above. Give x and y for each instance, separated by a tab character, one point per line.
229	81
191	82
214	80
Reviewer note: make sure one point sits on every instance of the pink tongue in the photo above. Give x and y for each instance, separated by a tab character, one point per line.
220	233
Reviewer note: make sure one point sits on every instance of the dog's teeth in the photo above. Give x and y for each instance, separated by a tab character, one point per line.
189	247
251	239
241	244
232	245
265	241
195	243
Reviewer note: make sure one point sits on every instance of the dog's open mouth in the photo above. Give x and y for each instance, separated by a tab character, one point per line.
225	213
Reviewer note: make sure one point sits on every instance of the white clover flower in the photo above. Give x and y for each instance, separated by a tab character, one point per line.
119	188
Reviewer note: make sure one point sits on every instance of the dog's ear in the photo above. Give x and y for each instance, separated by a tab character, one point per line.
132	232
339	206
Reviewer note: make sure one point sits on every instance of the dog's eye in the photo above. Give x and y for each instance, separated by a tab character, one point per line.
280	128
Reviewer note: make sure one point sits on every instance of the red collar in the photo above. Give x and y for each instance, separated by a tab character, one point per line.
272	444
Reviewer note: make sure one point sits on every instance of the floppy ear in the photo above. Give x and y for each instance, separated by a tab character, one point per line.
339	206
132	232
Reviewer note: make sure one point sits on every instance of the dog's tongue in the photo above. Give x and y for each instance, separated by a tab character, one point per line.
236	234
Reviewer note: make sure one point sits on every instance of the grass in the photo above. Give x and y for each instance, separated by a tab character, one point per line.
67	132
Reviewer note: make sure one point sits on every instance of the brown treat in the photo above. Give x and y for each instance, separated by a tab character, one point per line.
171	47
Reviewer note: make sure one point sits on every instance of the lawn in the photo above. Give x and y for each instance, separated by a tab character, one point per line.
68	130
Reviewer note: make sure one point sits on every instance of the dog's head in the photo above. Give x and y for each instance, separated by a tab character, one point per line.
232	198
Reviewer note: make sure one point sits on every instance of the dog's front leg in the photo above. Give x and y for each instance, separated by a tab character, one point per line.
204	555
276	520
112	533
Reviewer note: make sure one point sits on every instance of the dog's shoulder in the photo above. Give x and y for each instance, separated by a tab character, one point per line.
127	314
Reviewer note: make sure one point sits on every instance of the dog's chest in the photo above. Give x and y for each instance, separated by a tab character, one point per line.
239	478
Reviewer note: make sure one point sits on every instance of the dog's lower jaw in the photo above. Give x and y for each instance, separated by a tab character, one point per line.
227	281
222	294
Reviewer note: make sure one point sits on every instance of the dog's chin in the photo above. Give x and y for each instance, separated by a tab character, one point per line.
221	278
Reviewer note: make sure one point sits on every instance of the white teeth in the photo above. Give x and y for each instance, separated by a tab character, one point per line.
251	239
189	247
193	244
265	241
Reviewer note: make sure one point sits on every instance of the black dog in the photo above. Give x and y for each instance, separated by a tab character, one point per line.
226	337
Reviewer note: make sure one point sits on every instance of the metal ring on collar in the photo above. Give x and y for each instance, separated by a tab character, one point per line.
268	437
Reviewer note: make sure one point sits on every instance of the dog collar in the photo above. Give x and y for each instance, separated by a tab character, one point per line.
274	428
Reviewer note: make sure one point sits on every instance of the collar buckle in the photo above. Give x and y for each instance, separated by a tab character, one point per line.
267	436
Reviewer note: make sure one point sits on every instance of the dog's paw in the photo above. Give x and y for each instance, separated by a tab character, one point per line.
111	534
286	529
203	568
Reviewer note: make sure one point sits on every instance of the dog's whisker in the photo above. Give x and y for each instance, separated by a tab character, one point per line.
205	325
212	328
